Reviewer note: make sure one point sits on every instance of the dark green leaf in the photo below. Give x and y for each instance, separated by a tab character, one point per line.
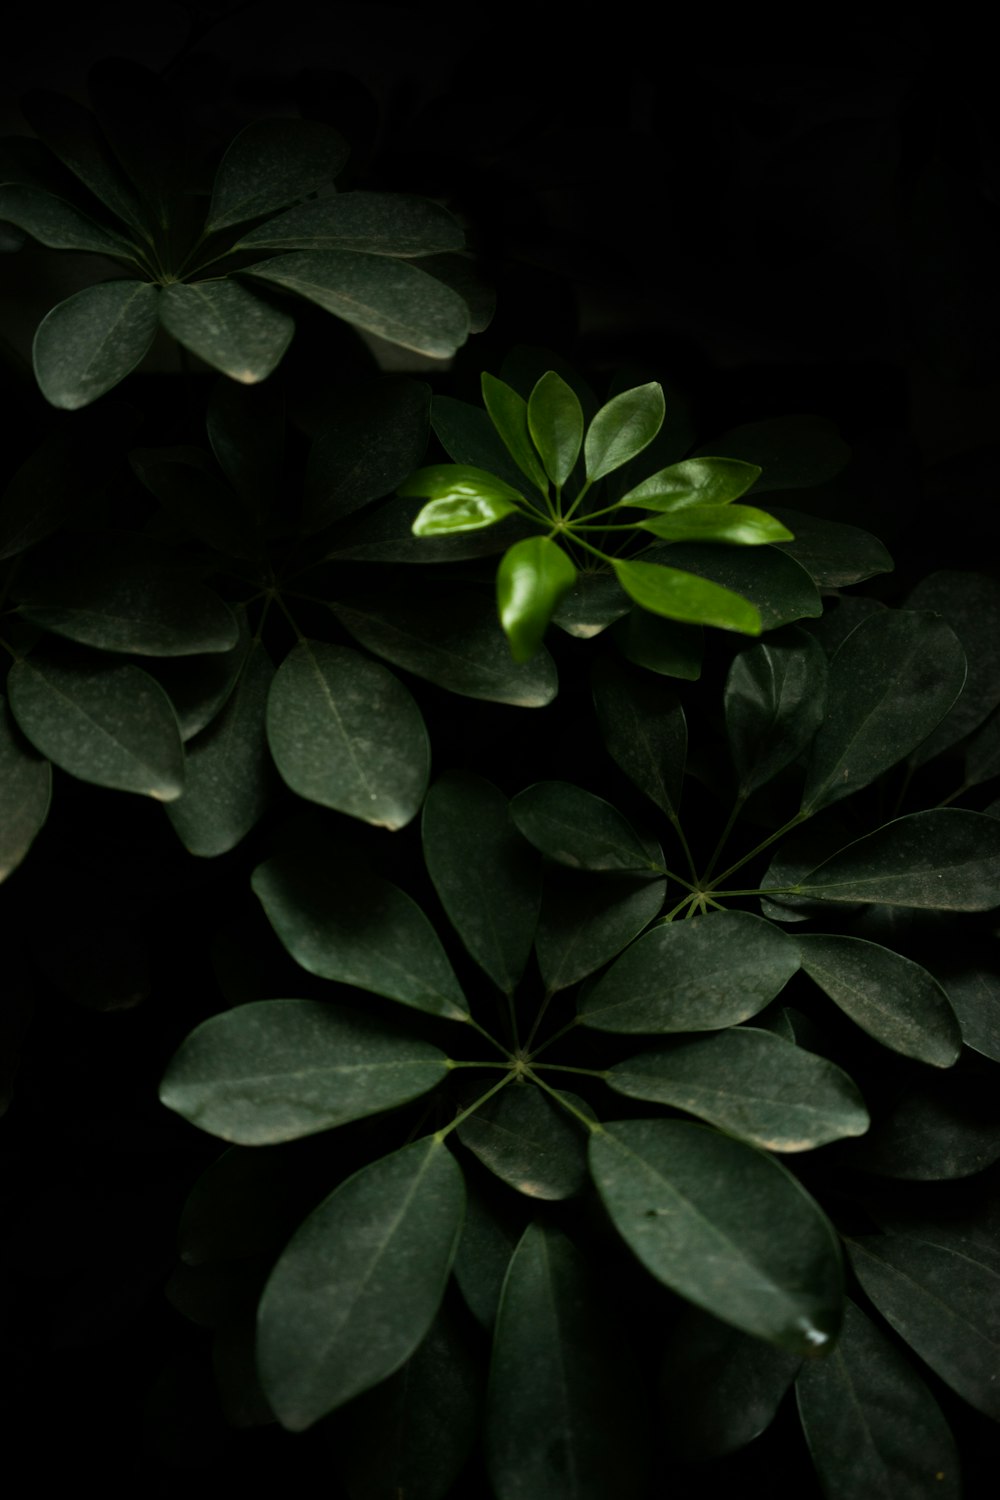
359	930
25	792
663	646
684	596
378	223
467	435
526	364
775	700
270	164
974	995
532	577
509	414
840	616
576	828
555	422
693	481
486	877
891	682
465	275
872	1426
586	919
198	500
345	733
697	975
90	342
110	725
622	428
227	327
644	730
358	1287
76	138
723	1225
740	525
752	1085
892	998
970	603
982	753
199	686
364	450
595	601
141	116
274	1070
563	1405
834	555
529	1142
57	224
489	1235
793	452
244	1204
246	427
777	587
48	487
947	1127
944	1303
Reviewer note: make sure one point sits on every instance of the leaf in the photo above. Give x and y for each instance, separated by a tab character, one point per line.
25	793
970	604
946	1128
470	506
227	768
451	637
198	500
199	686
111	725
509	414
358	1287
53	222
944	1303
140	115
892	998
752	1085
982	752
532	577
974	995
275	1070
663	646
576	828
775	699
359	930
683	596
872	1426
595	601
49	486
946	859
227	327
90	342
270	164
795	452
696	975
368	447
345	733
777	587
377	223
529	1142
246	427
562	1408
386	297
555	422
467	435
489	1235
486	877
834	555
622	428
893	679
461	271
385	534
71	131
723	1225
740	525
694	481
587	919
644	730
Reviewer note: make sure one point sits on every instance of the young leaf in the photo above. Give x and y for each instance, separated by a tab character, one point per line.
90	342
369	445
587	919
345	733
532	577
683	596
740	525
270	164
872	1426
723	1225
775	585
377	223
227	327
509	415
775	700
357	1289
752	1085
693	481
359	930
622	428
57	224
555	422
644	731
529	1142
698	975
794	453
575	828
892	998
25	793
834	555
275	1070
467	511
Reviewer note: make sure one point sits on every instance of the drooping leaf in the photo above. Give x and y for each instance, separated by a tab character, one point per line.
90	342
378	223
555	422
893	679
775	699
57	224
970	604
487	878
834	555
794	452
696	975
366	448
666	647
358	1287
644	731
25	792
558	1366
693	481
227	327
345	733
532	577
681	595
575	828
752	1085
527	1140
74	135
586	919
777	587
108	724
974	995
892	998
595	601
275	1070
360	930
945	1128
246	427
739	525
872	1426
489	1235
622	428
270	164
723	1225
509	414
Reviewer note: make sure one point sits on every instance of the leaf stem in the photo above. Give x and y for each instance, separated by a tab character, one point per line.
593	1126
439	1135
471	1021
735	811
691	898
675	823
585	486
799	817
554	1037
452	1063
565	1068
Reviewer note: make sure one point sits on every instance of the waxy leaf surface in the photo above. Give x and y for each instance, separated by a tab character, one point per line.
532	577
575	828
622	428
90	342
680	595
509	414
272	163
555	422
693	481
227	327
529	1141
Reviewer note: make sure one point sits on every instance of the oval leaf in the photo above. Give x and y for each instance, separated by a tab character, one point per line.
595	601
272	163
834	555
776	586
684	596
740	525
509	415
775	700
974	995
55	223
575	828
227	327
555	422
25	793
587	919
532	577
529	1142
90	342
378	223
970	603
644	731
693	481
622	428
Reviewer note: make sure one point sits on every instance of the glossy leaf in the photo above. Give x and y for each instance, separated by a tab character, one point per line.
378	223
970	604
509	414
359	930
369	445
575	828
793	452
270	164
358	1287
723	1225
644	731
587	919
486	877
667	647
467	435
555	422
697	975
595	601
275	1070
468	509
776	586
227	327
944	1303
752	1085
891	682
527	1140
532	577
345	733
872	1426
684	596
57	224
775	700
974	995
693	482
489	1236
90	342
25	793
107	724
622	428
740	525
892	998
834	555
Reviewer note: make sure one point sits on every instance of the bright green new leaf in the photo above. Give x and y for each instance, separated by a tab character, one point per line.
377	223
834	555
892	998
683	596
555	422
346	733
462	499
90	342
360	1282
587	919
270	164
55	223
622	428
529	1141
575	828
776	586
697	975
367	447
644	731
751	1084
974	995
740	525
509	415
693	482
532	577
25	793
275	1070
793	452
775	699
725	1226
227	327
360	930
